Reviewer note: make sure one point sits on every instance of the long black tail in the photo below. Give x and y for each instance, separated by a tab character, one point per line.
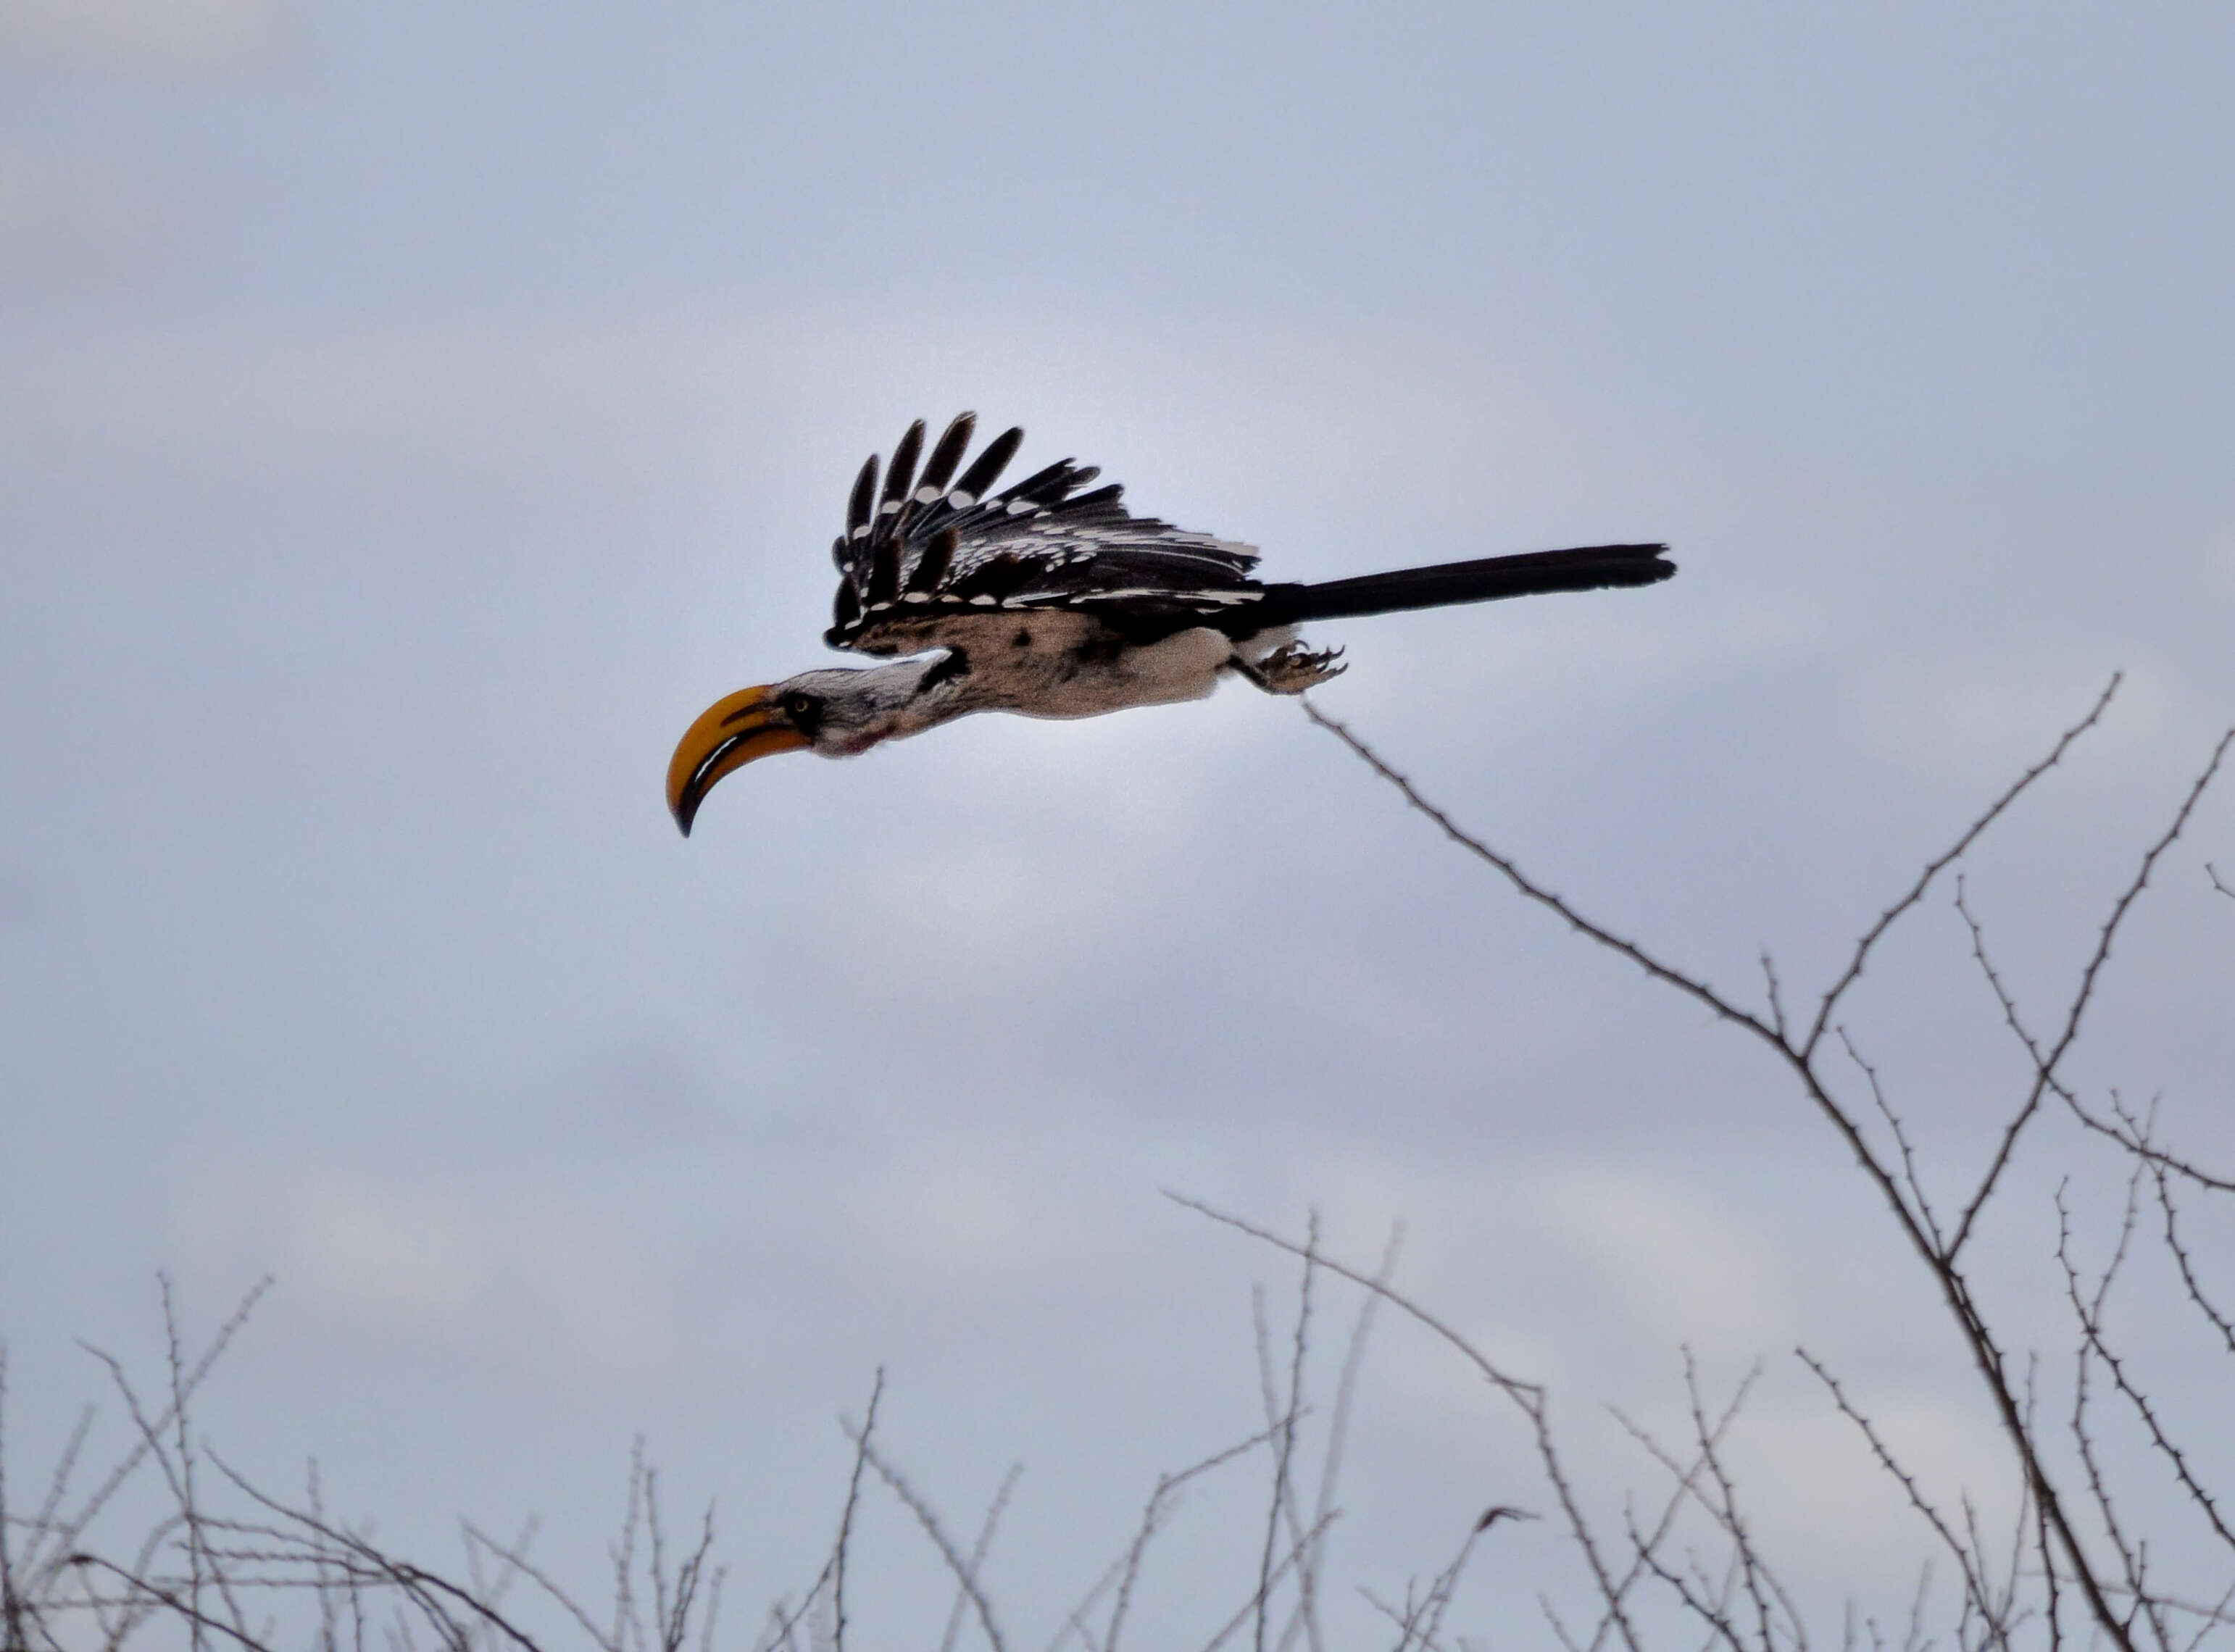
1586	568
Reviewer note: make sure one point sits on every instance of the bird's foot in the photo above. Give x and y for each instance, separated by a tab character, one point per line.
1292	669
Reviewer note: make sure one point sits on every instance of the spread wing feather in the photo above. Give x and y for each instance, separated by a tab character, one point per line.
930	546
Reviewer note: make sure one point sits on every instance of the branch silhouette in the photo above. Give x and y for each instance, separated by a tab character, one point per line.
2065	1557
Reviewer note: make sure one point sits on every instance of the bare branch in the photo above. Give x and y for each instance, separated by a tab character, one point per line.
846	1520
1919	1204
1346	1393
1251	1607
1529	1396
1948	857
65	1535
1646	1547
2130	1558
1973	1586
2088	1310
964	1574
1897	1184
1168	1489
1775	993
2046	1062
1544	897
1281	1417
978	1551
516	1557
2179	1249
1703	1603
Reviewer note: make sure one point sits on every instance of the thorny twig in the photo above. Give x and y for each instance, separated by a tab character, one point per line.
1898	1177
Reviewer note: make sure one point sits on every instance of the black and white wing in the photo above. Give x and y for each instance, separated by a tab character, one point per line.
936	547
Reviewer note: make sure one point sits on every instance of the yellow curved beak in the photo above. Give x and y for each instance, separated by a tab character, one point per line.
728	735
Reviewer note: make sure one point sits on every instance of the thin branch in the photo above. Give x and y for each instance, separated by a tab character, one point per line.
2046	1065
1775	993
1249	1609
963	1572
2098	1483
978	1553
1168	1488
846	1520
420	1585
183	1607
13	1609
2089	1312
1987	1355
1920	1205
1686	1477
1529	1396
1535	891
1354	1362
1281	1416
2125	1134
65	1535
1948	857
516	1557
2219	1320
1698	1601
1973	1586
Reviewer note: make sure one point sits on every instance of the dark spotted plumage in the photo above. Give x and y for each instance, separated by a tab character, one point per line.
924	549
1050	599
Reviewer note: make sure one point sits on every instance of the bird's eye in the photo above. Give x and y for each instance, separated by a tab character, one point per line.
803	709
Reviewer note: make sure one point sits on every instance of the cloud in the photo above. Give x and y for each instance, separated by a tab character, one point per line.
1292	472
962	1215
73	227
1960	715
1686	1265
435	1264
25	903
2221	561
178	35
1659	1255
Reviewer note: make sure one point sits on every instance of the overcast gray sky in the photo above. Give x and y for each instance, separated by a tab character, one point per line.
411	415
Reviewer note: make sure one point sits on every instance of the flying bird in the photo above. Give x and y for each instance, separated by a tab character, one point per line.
1052	601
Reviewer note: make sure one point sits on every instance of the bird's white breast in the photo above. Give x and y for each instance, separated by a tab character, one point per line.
1069	665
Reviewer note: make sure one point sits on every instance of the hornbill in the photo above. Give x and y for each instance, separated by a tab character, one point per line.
1049	601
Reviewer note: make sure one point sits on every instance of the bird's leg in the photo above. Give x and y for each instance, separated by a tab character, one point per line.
1291	668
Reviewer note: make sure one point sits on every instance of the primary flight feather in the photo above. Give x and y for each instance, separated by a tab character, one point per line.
1050	599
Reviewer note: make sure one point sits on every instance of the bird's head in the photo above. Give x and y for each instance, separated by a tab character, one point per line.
836	713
